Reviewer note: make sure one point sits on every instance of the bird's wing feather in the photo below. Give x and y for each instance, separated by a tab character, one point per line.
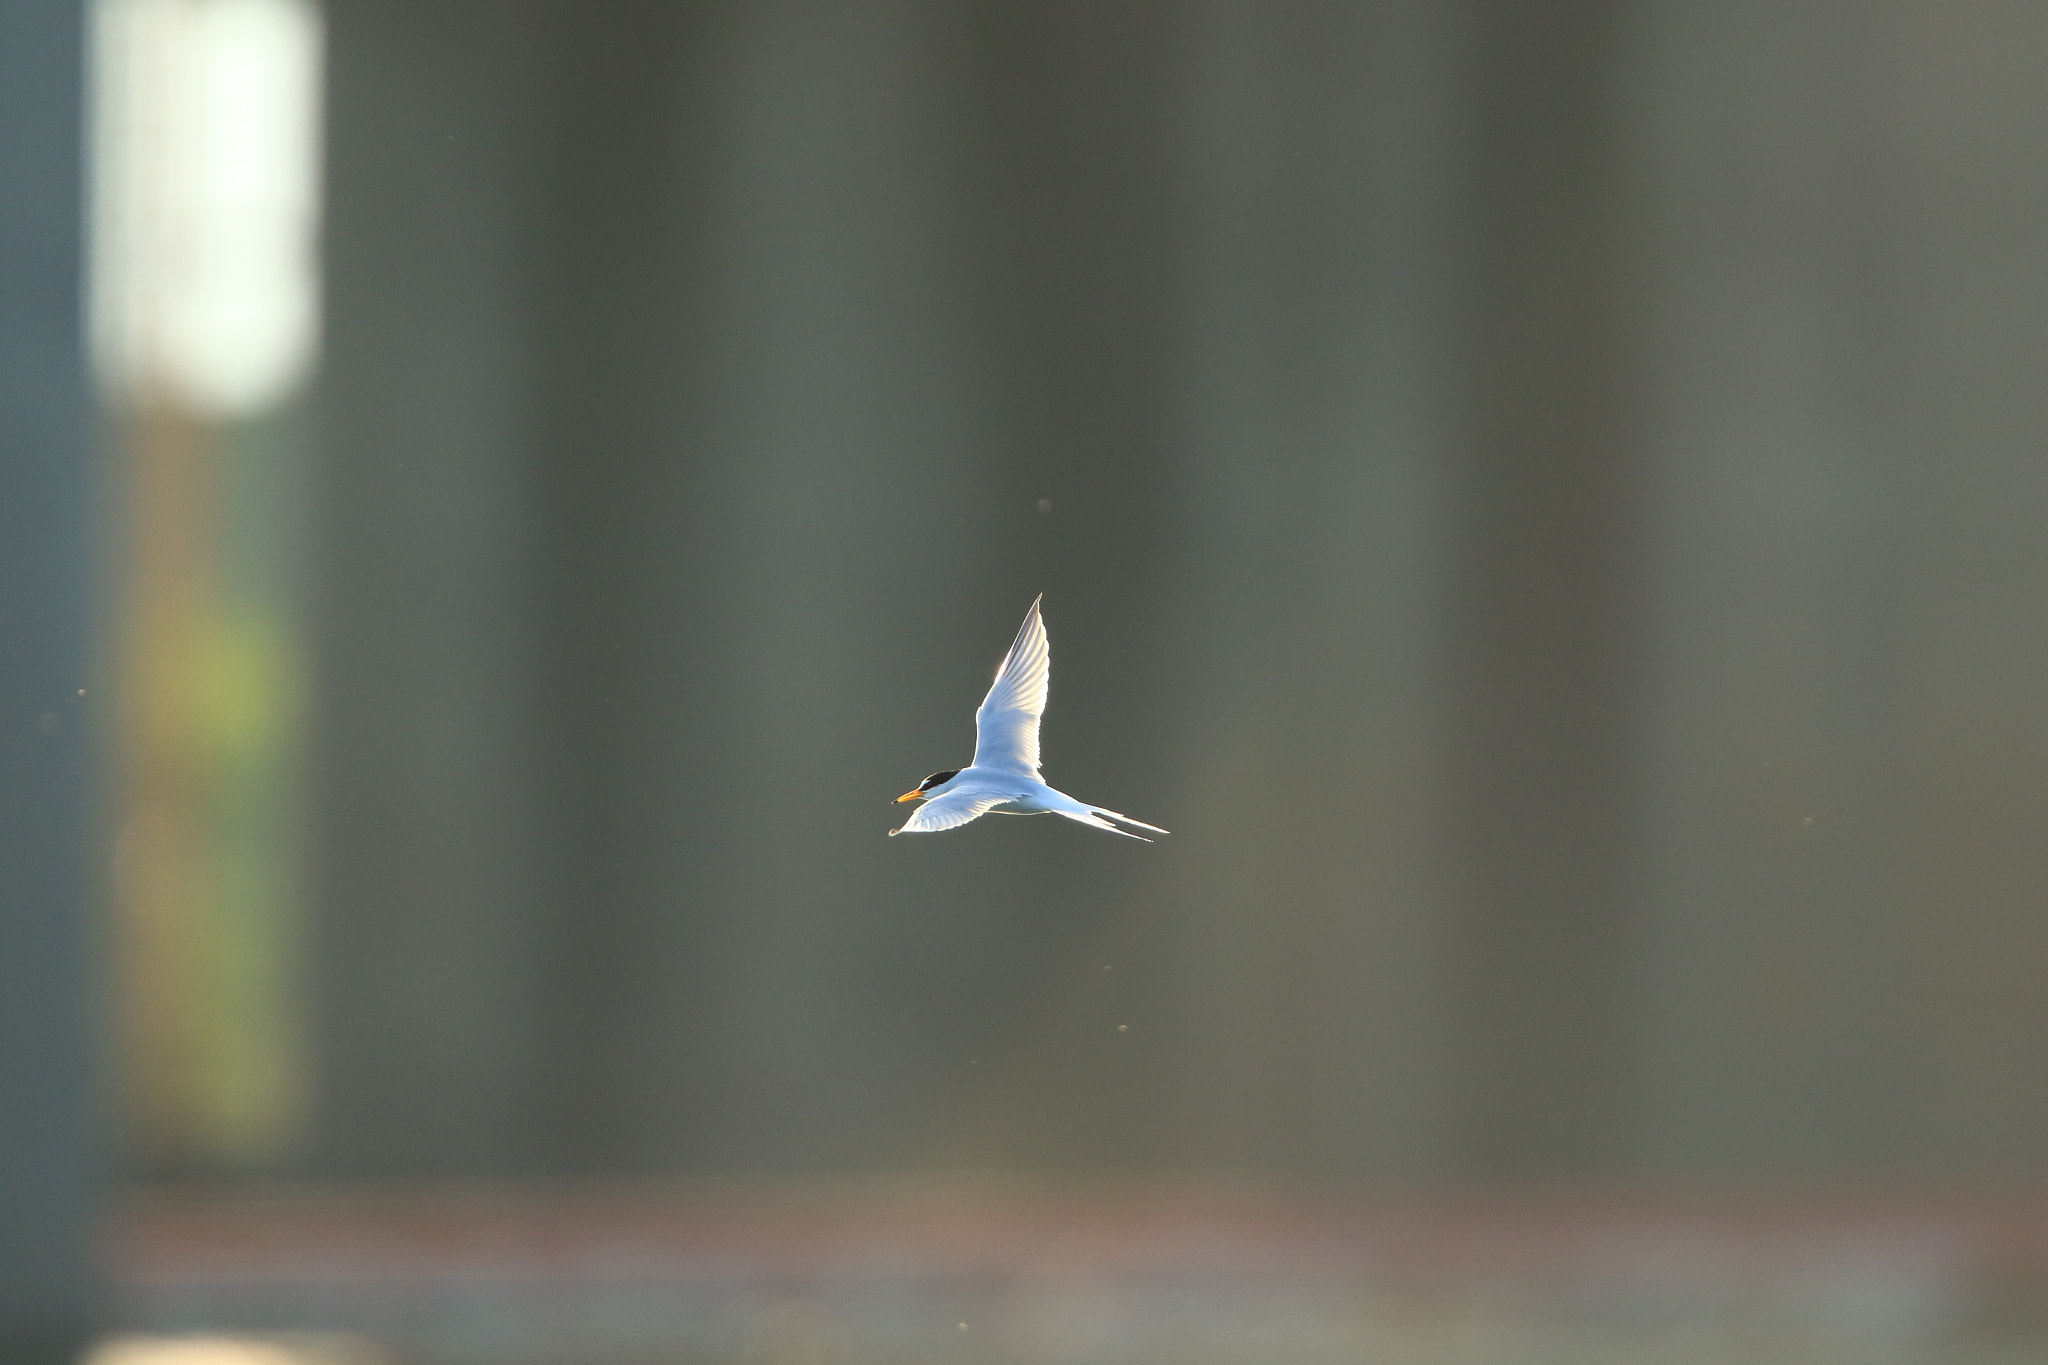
1006	726
944	812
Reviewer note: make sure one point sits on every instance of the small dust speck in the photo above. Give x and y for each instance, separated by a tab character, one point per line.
1803	824
963	1326
1044	506
1123	1028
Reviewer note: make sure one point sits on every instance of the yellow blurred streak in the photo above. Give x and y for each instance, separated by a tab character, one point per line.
203	876
322	1349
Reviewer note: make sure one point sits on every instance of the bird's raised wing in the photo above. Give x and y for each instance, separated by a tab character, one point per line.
1006	726
944	812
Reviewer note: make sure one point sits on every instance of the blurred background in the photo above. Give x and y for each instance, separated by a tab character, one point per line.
1548	502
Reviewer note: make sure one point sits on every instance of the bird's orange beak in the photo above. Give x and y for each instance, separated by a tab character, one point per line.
912	795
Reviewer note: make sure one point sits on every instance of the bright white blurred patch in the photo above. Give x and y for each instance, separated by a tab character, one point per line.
206	207
221	1350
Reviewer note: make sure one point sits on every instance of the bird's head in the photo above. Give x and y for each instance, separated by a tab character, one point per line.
929	785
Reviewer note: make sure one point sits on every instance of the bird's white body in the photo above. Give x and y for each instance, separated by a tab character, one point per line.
1003	779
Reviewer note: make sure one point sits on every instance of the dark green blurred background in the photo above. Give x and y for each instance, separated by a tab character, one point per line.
1546	502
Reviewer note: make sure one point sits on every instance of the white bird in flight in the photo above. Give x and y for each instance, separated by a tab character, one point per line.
1003	779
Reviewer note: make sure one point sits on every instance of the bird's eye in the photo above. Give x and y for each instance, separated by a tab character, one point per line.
936	778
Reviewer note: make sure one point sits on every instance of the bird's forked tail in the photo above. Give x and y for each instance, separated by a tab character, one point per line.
1093	816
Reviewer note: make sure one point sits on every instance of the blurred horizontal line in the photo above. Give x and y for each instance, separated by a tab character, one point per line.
1114	1230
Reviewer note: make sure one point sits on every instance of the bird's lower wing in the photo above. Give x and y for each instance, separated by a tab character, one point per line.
954	808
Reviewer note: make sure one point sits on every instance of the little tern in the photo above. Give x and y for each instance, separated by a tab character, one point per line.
1003	779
